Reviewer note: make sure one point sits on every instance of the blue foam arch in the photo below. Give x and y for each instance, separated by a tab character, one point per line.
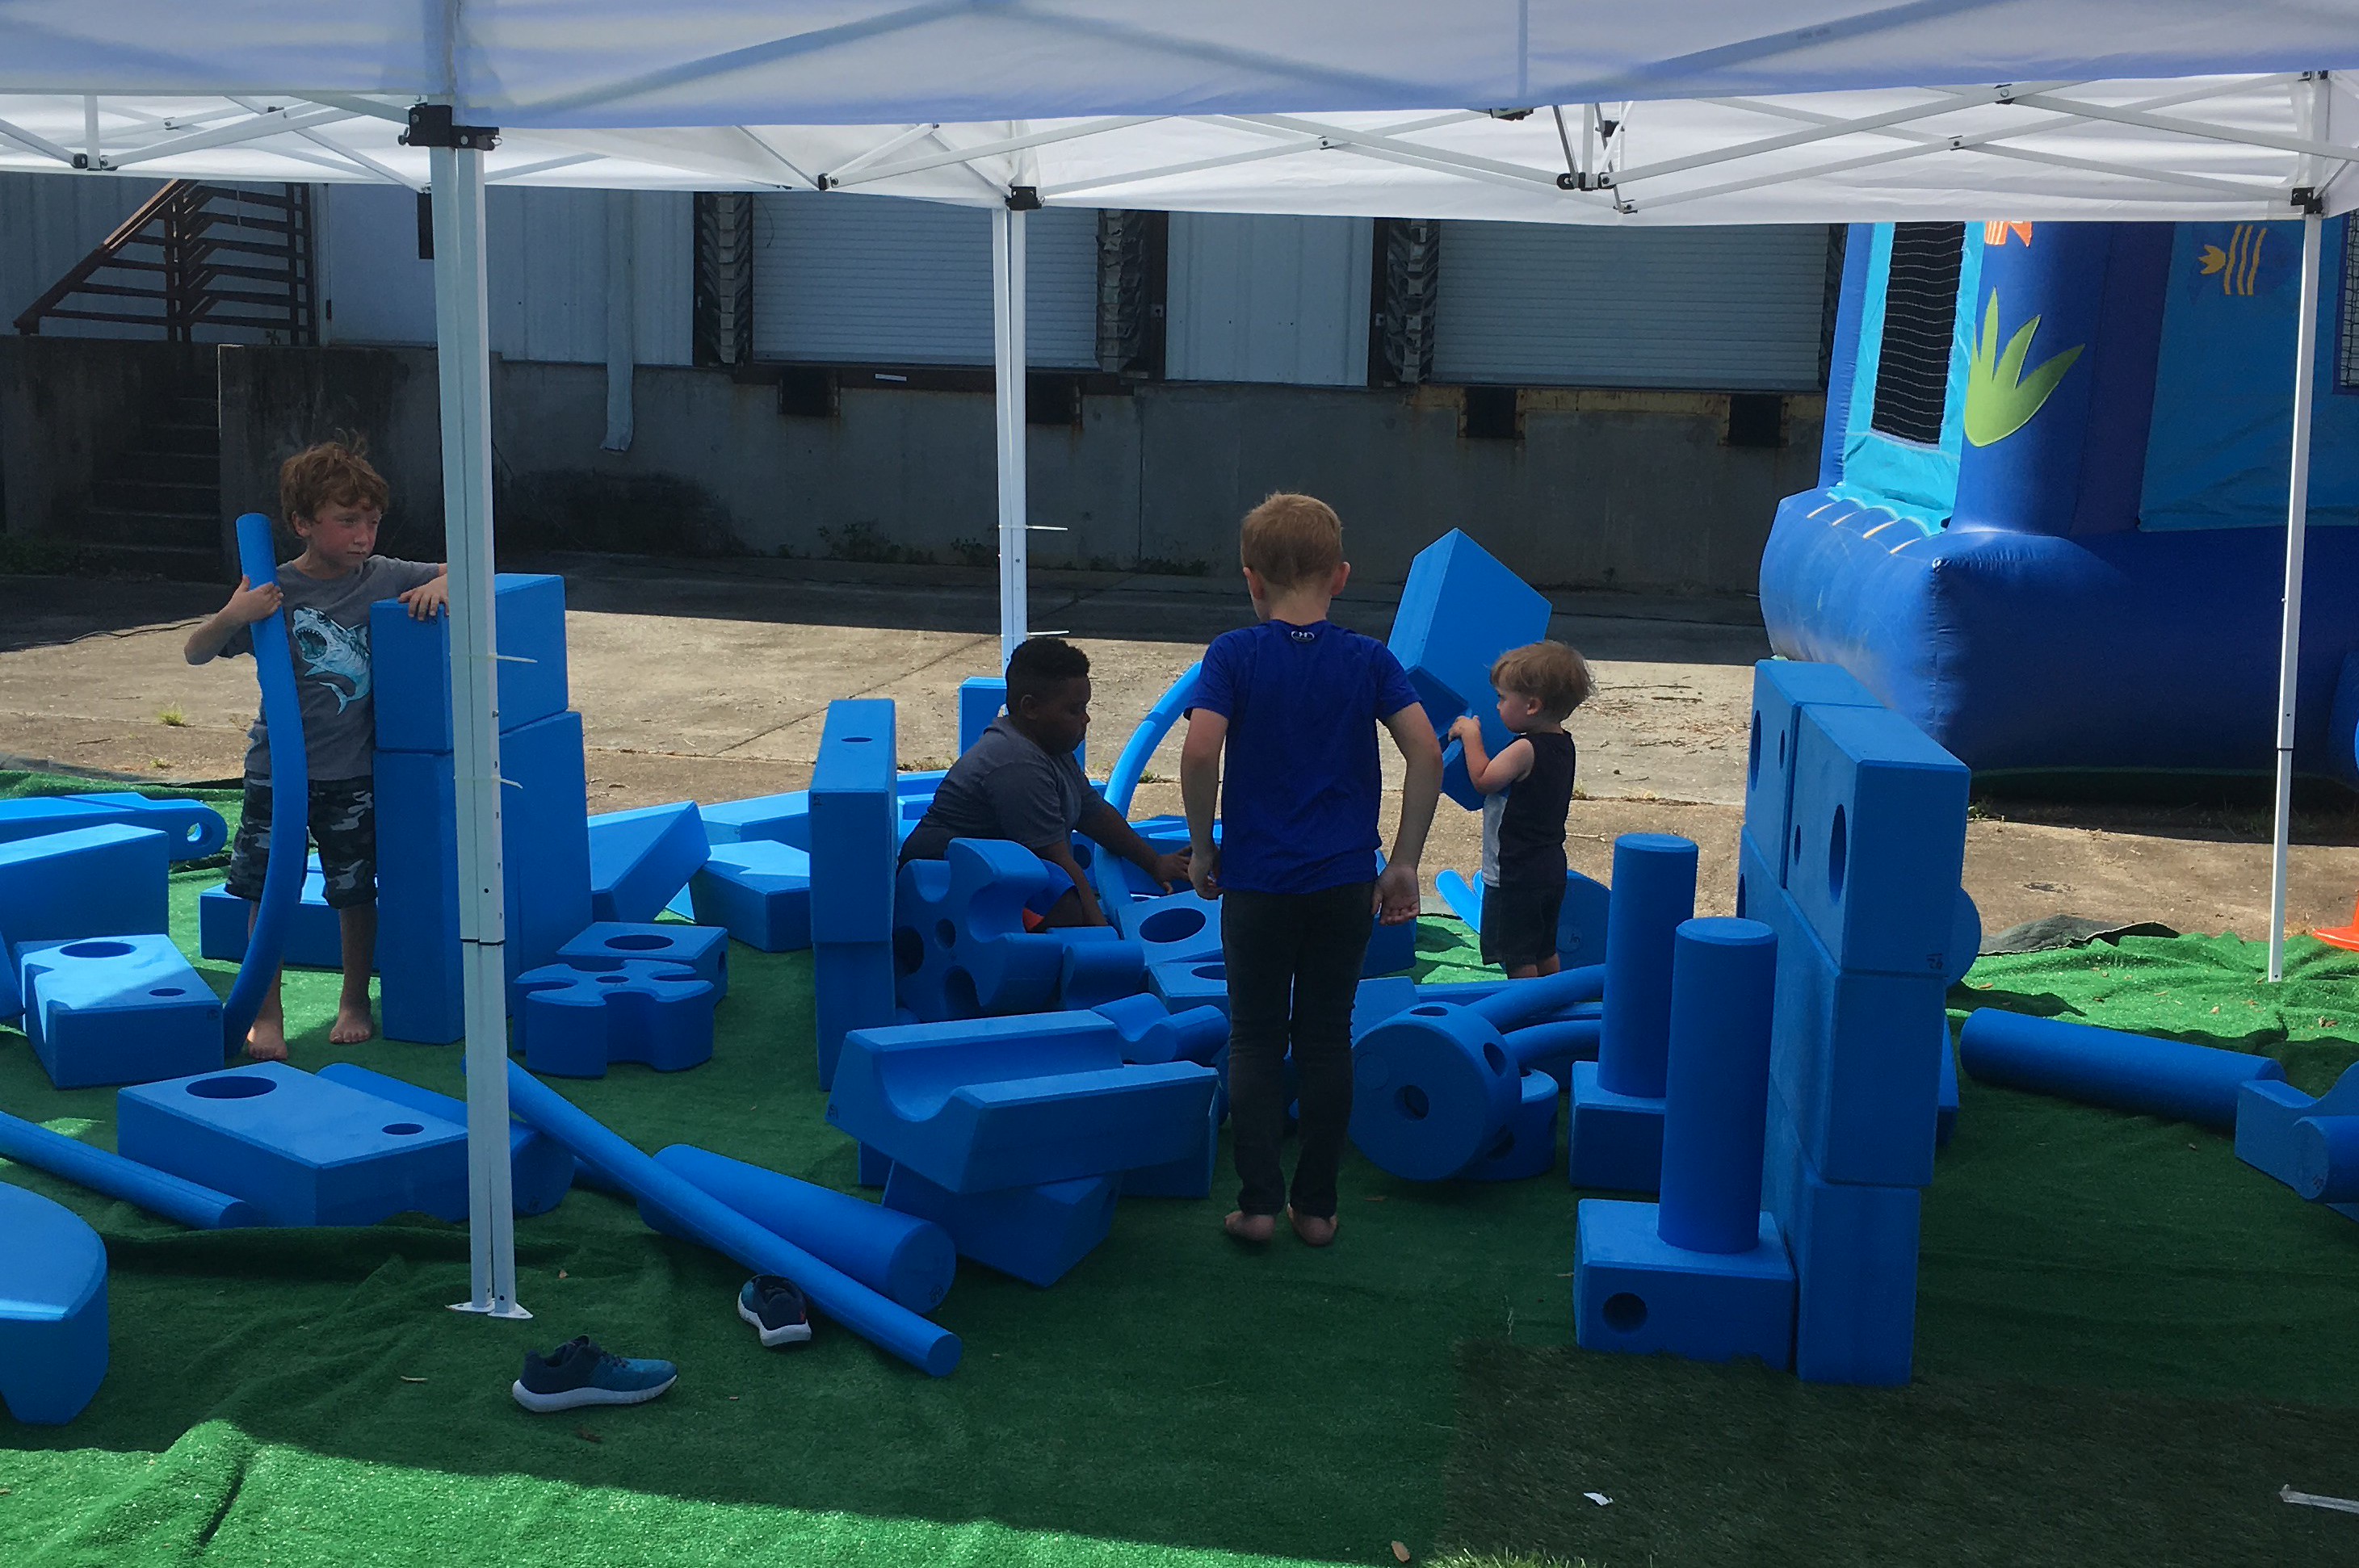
290	779
1123	783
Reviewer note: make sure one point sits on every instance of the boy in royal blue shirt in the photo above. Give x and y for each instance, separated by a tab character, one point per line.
1294	702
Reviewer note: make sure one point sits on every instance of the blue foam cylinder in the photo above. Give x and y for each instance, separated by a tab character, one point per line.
1654	891
1716	1094
886	1325
540	1173
112	1175
2326	1158
910	1260
1554	1046
290	779
1520	1003
2105	1066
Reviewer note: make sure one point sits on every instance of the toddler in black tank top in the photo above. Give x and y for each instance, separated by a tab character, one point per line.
1528	791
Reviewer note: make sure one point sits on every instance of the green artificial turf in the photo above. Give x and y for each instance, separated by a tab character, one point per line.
2121	1329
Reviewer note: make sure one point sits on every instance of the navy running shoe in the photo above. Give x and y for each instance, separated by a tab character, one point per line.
774	1307
578	1373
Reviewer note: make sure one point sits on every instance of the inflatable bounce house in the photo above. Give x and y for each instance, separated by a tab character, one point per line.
2050	521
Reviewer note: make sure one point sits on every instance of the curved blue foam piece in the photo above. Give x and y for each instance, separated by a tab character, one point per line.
1654	891
1150	1032
1527	1147
1131	764
960	948
191	829
2326	1158
705	1219
541	1174
290	779
112	1175
1552	1047
2107	1067
1965	938
1432	1090
53	1310
1716	1101
1095	973
1520	1003
909	1261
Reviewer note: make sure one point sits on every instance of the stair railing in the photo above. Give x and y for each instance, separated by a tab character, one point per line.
201	255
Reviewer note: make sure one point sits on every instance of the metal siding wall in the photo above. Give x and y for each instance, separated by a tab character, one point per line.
546	254
666	276
1731	310
369	268
49	221
1270	298
881	279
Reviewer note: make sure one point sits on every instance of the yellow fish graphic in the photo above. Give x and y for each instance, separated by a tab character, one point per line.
2240	264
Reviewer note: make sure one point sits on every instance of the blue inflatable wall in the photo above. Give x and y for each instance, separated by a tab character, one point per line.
2063	548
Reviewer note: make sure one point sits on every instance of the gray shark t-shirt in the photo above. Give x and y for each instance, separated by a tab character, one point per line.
328	628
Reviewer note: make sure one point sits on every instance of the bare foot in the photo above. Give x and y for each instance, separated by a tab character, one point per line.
267	1041
1314	1231
1253	1228
353	1026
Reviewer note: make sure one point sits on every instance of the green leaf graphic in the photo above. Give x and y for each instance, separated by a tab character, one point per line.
1999	399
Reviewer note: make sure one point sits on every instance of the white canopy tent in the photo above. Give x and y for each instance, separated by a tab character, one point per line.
1684	112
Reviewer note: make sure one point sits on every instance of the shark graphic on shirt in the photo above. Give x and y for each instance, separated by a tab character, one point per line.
329	654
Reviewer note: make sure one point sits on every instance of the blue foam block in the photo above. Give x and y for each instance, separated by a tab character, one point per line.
302	1151
759	891
540	1173
874	1167
545	852
1460	610
1152	1032
1878	839
640	859
1176	927
1376	1000
108	881
902	1258
2326	1159
703	948
1617	1140
1581	922
1191	1177
986	1103
1945	1094
1096	972
1391	948
981	699
315	936
854	830
2106	1066
1653	893
851	989
1635	1294
1527	1147
1854	1251
1036	1233
785	818
117	1010
577	1018
1781	689
1191	983
191	829
1432	1090
53	1310
200	1208
959	944
2269	1136
410	661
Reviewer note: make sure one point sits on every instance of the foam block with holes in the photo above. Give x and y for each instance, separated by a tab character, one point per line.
1616	1141
1460	610
540	1171
1191	983
410	660
53	1310
855	828
1433	1088
758	890
1036	1233
1527	1147
703	948
1175	927
639	860
985	1103
960	947
117	1010
577	1017
191	829
1877	839
1781	689
107	880
1854	1249
299	1149
1635	1294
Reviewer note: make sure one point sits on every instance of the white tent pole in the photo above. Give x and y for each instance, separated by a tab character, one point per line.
462	345
2297	529
1007	363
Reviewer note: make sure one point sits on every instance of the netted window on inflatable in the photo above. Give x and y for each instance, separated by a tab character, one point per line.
1920	316
2346	362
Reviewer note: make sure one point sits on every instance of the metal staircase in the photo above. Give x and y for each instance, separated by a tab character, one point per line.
237	265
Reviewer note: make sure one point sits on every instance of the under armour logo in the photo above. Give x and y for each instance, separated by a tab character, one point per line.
1302	634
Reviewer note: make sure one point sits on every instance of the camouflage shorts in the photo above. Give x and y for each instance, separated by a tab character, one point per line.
343	827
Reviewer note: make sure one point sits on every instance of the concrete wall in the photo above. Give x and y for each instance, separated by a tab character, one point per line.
65	405
276	401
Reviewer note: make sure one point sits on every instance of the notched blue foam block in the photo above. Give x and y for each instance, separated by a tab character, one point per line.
117	1010
191	829
1617	1140
107	880
53	1310
759	891
410	660
1635	1294
959	944
299	1149
1035	1233
577	1017
703	948
1527	1148
640	859
1191	983
1152	1032
1854	1249
1781	689
540	1170
1878	839
986	1103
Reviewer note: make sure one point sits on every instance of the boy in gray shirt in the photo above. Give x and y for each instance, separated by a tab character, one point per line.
1019	782
333	500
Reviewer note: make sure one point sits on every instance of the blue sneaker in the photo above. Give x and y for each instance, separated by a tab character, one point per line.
774	1307
578	1373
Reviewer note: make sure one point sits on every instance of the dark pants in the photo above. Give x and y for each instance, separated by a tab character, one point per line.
1293	962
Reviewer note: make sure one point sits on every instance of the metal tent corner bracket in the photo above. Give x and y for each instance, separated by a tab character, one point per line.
430	125
1024	199
2306	200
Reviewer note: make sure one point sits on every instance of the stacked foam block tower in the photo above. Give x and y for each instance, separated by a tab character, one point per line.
1852	847
544	820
